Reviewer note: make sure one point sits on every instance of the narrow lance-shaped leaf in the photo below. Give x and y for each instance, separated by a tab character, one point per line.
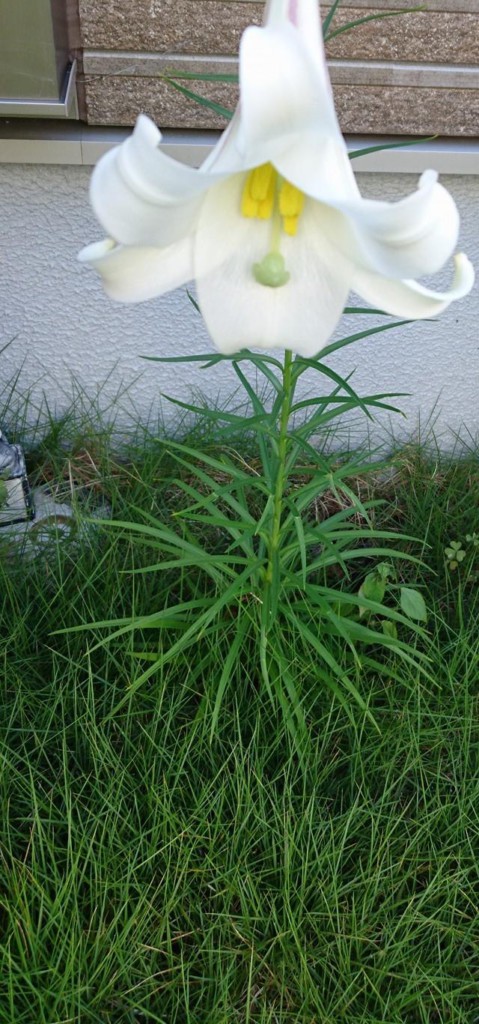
372	17
191	635
202	101
230	664
329	17
389	145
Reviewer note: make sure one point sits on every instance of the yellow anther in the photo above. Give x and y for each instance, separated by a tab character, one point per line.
261	197
291	200
249	206
290	225
259	192
266	206
262	181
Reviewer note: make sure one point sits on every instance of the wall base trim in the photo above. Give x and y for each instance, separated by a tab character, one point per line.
33	142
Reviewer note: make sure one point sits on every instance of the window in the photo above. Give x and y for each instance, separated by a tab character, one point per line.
37	77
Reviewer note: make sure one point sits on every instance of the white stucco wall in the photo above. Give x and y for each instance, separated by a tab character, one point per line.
64	326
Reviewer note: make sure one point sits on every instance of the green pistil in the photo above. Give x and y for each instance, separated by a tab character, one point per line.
271	271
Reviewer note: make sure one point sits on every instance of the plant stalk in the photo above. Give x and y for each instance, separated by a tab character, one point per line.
281	475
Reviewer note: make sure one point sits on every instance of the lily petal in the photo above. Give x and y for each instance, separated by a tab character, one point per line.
132	274
241	313
303	14
281	87
225	157
405	239
287	108
410	299
143	197
320	164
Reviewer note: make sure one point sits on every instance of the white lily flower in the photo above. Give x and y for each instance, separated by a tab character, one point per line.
272	226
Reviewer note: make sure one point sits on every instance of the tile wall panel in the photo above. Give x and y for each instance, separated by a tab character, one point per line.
125	53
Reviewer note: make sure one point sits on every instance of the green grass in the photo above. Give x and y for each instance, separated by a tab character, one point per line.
148	874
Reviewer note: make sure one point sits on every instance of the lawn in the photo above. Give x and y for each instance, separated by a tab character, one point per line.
151	873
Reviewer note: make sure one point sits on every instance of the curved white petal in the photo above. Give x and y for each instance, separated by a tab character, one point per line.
285	93
226	158
286	105
131	274
409	299
405	239
303	14
143	197
319	164
239	312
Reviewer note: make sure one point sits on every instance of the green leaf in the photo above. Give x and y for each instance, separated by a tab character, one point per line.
264	369
381	148
172	616
340	677
222	491
373	589
288	698
262	416
413	604
202	101
221	465
198	76
219	415
389	628
318	421
204	561
208	358
301	364
193	301
298	523
161	537
280	683
334	399
372	17
190	637
353	310
229	666
339	555
336	345
329	17
326	597
265	517
212	358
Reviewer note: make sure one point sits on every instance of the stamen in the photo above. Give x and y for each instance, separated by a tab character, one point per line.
290	225
262	189
249	206
261	181
259	192
266	206
291	202
266	196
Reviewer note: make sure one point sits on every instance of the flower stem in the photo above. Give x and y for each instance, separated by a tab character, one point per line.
281	476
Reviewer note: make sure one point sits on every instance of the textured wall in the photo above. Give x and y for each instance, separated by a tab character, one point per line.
63	325
414	74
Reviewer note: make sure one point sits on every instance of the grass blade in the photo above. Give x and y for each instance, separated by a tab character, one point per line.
231	662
